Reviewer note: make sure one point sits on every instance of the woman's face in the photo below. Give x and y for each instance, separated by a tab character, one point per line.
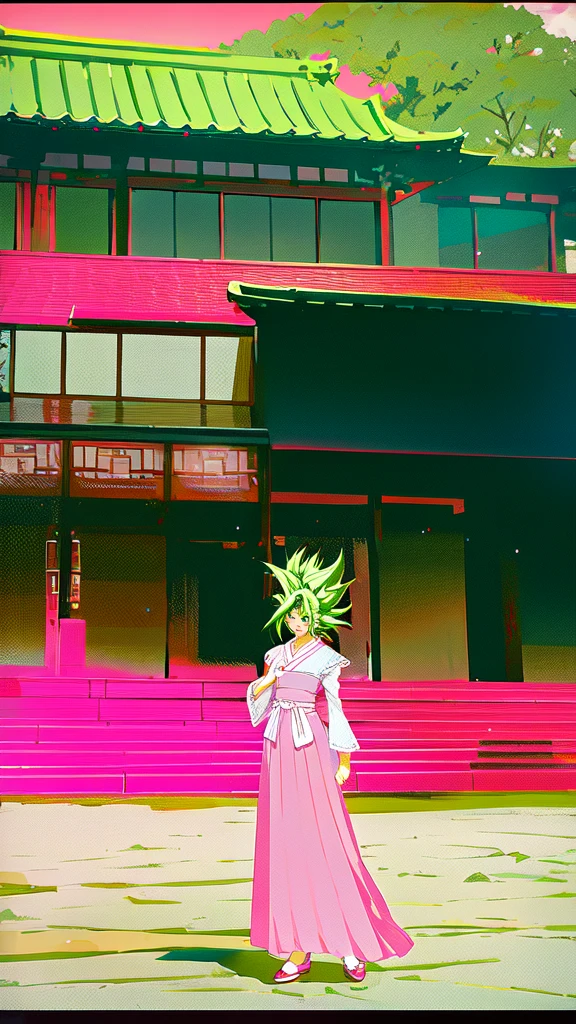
299	624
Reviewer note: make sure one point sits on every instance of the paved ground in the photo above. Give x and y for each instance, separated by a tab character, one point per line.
146	905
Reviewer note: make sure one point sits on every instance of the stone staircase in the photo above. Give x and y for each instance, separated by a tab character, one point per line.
143	737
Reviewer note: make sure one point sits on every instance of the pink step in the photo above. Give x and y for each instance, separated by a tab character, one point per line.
48	708
239	782
44	688
40	757
113	764
525	780
225	710
225	690
415	782
37	784
127	732
157	689
151	710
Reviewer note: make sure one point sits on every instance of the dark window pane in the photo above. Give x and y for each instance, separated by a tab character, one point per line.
347	232
197	228
455	237
82	220
247	227
512	240
293	230
7	214
152	222
415	233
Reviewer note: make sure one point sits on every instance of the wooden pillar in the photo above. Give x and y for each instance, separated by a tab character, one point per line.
65	526
552	261
386	229
265	489
374	544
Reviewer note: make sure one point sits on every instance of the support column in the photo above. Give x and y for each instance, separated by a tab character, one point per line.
386	229
374	541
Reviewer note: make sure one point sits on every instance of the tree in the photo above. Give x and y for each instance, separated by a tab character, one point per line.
451	66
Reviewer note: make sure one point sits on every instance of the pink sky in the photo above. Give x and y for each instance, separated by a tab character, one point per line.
194	24
170	24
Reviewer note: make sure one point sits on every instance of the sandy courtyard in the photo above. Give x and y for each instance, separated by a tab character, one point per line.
146	906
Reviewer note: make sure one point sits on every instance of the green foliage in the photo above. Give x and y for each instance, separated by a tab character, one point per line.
436	55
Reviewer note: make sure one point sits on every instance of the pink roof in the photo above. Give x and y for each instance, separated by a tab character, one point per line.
51	288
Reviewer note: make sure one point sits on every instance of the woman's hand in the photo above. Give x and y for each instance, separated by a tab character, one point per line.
343	772
265	683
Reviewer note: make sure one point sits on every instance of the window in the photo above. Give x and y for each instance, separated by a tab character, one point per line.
91	364
197	227
83	217
247	228
416	233
293	230
261	228
455	238
29	467
37	356
264	228
152	222
347	232
512	239
7	214
167	223
205	474
160	366
194	368
98	470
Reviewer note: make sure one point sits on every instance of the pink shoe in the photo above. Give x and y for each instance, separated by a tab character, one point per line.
282	976
357	973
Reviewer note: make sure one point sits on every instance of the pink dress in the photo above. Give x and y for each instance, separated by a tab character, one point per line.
311	889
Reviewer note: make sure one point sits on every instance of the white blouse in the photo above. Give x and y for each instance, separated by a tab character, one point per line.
325	664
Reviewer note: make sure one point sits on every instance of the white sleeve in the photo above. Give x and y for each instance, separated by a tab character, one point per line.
340	735
259	706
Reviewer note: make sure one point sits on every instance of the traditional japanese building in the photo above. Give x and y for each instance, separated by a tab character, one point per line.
241	311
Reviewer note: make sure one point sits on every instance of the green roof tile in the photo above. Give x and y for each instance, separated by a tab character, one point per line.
125	83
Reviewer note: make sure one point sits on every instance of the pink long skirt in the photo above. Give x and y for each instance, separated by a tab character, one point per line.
311	889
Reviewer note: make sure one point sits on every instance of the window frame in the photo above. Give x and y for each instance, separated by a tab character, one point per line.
118	396
223	189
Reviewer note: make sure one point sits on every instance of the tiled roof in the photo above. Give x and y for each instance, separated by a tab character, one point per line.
120	83
53	288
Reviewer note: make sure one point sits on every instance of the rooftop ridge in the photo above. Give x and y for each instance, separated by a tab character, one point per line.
46	44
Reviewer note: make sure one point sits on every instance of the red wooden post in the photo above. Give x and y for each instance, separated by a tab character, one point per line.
552	261
386	245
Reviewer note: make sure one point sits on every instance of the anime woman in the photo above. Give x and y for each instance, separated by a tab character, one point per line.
311	892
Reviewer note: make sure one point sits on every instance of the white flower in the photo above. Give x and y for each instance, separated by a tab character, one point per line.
558	133
537	51
546	153
508	39
496	132
527	150
552	149
527	127
487	139
514	151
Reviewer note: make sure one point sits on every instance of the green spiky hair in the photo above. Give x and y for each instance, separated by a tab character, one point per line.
312	589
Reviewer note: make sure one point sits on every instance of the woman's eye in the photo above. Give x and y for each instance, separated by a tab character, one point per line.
304	618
